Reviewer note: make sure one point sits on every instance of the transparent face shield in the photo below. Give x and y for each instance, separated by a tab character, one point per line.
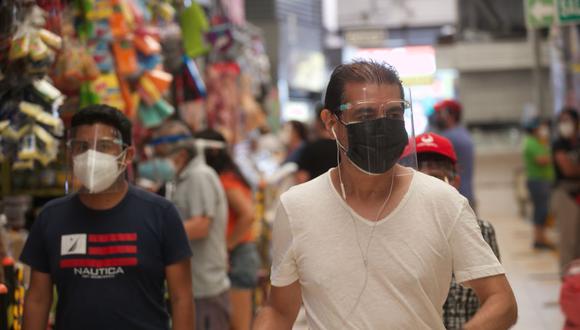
96	160
160	167
378	127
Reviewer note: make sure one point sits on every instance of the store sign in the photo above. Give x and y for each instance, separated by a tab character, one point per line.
540	13
569	11
416	64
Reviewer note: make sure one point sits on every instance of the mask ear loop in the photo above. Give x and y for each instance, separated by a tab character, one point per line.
338	163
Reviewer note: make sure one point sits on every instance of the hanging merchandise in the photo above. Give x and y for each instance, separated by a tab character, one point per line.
147	45
32	40
154	115
193	27
29	102
220	34
125	57
74	66
193	77
107	88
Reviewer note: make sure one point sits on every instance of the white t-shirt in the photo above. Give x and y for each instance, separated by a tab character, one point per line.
414	250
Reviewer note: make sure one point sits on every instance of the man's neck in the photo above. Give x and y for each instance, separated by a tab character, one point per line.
105	200
362	186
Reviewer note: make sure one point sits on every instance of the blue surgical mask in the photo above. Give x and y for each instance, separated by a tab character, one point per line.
157	169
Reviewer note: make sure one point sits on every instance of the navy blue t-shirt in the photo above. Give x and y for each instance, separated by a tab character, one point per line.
108	266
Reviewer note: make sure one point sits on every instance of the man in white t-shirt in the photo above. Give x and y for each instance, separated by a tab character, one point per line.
372	244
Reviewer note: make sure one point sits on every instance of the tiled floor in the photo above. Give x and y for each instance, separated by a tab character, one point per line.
533	275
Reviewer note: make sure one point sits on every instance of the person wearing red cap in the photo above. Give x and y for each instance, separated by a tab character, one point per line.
570	295
436	157
448	115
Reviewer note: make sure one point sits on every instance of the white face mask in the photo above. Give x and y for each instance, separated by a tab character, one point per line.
97	171
566	129
544	132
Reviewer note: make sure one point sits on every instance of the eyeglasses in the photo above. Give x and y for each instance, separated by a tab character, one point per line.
362	111
107	146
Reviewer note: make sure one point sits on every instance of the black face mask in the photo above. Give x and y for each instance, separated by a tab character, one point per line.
375	146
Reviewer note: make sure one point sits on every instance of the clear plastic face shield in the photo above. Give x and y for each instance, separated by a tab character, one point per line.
377	127
96	159
160	166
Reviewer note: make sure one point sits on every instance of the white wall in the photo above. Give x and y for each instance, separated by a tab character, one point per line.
396	13
499	96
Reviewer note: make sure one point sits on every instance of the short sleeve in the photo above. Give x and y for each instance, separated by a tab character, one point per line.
473	258
229	181
175	244
203	195
284	269
35	251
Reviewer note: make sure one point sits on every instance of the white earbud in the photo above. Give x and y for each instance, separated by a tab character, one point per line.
338	165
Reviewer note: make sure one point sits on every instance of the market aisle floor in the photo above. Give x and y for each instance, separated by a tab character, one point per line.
533	275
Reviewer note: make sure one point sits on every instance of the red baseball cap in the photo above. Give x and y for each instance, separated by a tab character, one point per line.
435	143
450	105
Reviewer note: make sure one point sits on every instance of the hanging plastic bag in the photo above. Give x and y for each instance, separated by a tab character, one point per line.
125	57
50	39
194	76
38	49
193	27
148	91
20	46
106	86
147	45
149	116
154	115
87	95
161	79
118	25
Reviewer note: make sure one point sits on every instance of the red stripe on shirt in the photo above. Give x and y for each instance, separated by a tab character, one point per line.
119	249
103	238
98	263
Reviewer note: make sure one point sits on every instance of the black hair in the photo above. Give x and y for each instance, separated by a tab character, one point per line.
299	128
531	125
220	159
361	71
104	114
572	112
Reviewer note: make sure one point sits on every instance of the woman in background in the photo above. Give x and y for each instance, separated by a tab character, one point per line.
566	194
294	136
540	175
243	254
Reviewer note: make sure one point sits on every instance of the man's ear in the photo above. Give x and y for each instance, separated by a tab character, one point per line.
129	155
329	120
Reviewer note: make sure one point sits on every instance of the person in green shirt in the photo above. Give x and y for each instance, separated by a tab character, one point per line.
540	175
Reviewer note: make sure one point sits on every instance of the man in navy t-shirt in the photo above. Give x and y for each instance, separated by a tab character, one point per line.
109	248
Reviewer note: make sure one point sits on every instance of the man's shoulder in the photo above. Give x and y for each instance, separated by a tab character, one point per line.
307	190
432	191
60	203
200	169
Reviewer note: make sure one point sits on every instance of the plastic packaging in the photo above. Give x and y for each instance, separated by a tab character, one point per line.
125	57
